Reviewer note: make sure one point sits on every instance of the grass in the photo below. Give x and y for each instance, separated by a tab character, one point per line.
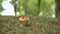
44	26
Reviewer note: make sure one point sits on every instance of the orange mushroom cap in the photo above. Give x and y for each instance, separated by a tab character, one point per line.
24	18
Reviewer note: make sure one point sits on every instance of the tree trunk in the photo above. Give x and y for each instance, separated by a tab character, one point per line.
57	11
39	2
15	6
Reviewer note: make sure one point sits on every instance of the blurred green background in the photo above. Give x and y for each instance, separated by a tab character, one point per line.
43	8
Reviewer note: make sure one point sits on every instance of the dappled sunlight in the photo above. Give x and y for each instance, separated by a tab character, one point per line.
18	13
41	14
8	8
53	16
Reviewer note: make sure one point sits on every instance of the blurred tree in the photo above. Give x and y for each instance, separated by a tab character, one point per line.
1	6
1	9
34	7
15	5
39	2
57	11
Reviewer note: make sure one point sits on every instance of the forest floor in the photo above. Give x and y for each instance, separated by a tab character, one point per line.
12	25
